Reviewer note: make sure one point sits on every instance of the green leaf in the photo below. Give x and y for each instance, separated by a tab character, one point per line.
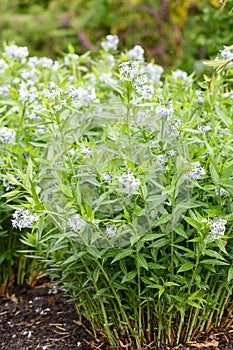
152	237
230	274
162	220
214	174
129	277
125	253
96	274
213	262
194	304
142	262
186	266
214	254
194	223
160	243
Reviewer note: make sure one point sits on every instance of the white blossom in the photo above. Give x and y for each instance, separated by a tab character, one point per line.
69	58
27	93
3	65
110	43
164	111
153	72
85	96
220	191
111	230
146	91
17	52
107	177
129	181
204	128
136	53
196	172
217	228
76	223
180	74
23	218
226	53
7	135
129	70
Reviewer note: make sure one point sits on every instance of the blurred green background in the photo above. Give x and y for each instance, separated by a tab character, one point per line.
175	33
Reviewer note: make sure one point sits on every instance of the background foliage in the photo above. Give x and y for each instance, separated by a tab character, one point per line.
172	32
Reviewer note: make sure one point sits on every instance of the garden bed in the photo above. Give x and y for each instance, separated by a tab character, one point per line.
41	318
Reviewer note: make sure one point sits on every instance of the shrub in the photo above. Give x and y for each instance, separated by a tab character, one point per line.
122	179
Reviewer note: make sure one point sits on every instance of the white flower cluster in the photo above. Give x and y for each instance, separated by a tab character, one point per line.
3	65
220	191
129	70
27	92
200	99
110	43
137	53
165	111
76	223
162	160
111	230
204	128
17	52
107	177
23	218
217	228
8	186
153	73
85	96
180	74
196	172
129	181
44	62
7	135
226	53
69	58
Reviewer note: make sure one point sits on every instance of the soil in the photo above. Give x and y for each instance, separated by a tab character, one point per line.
41	318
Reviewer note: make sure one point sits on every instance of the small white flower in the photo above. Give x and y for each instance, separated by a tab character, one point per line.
196	172
69	58
136	53
85	96
111	60
180	74
110	43
107	177
129	70
129	181
217	228
76	223
23	218
17	52
146	91
204	128
3	65
220	191
7	135
164	111
226	53
111	230
153	72
27	93
8	186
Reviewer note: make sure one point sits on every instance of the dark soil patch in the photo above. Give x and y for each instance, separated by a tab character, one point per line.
41	318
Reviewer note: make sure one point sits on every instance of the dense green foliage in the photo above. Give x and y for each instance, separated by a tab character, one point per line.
174	33
117	177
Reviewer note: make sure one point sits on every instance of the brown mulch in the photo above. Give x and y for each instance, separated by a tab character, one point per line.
41	318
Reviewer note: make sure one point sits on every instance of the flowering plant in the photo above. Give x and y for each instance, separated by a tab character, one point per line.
120	181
